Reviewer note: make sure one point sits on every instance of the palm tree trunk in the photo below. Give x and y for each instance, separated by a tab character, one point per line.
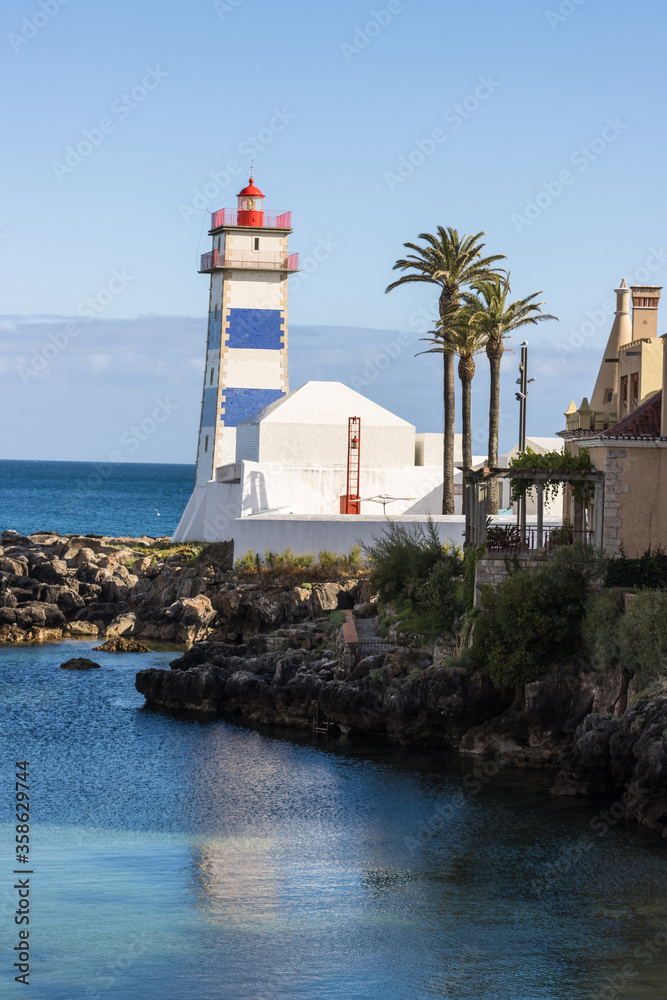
466	414
450	417
494	352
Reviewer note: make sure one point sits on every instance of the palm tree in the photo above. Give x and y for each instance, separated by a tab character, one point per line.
453	262
494	318
457	335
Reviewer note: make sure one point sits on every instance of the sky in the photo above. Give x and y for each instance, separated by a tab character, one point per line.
124	123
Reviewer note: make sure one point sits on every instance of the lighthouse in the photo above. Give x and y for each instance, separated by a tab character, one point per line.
246	350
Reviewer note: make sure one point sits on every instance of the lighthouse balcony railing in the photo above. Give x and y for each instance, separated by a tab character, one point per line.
271	220
265	260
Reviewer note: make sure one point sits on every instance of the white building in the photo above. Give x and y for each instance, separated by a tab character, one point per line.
291	459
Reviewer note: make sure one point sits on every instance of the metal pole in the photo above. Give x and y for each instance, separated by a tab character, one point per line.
523	399
524	396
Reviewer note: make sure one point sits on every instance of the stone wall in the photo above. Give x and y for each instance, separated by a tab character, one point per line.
493	568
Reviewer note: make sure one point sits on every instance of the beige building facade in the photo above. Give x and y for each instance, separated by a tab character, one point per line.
624	428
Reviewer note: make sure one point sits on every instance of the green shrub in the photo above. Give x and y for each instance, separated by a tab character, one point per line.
600	629
533	618
355	556
403	558
336	617
306	586
376	675
438	600
650	570
248	562
328	560
303	561
642	637
470	568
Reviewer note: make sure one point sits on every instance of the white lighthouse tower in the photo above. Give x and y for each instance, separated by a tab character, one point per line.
246	352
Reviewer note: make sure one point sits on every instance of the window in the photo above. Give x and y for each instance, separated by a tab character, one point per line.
256	242
211	382
634	390
623	395
610	395
206	443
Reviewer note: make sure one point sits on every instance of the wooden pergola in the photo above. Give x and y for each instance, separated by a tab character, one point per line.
476	487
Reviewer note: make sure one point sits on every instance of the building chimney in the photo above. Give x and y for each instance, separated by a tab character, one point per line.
645	300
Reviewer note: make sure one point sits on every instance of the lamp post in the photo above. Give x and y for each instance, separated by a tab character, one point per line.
522	397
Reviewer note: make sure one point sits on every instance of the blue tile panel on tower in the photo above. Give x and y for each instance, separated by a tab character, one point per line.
214	328
258	328
209	407
242	403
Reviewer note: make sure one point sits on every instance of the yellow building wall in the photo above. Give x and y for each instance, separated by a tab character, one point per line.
636	484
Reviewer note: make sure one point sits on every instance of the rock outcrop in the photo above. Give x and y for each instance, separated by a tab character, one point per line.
78	586
624	757
118	644
79	663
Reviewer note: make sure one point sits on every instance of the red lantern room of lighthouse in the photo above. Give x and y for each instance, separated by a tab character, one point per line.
251	206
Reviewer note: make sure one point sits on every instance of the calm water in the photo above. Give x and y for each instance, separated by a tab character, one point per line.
100	498
187	860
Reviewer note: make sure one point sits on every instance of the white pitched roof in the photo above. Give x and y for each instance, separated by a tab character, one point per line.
325	403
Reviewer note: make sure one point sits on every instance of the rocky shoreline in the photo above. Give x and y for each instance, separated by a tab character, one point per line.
264	652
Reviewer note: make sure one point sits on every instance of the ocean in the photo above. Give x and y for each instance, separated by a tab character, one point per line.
98	498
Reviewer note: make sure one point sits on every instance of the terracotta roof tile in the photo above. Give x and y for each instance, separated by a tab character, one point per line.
644	422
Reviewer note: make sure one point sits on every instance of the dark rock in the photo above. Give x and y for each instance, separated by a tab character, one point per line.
195	690
219	555
16	567
98	613
13	538
7	599
79	663
35	613
114	592
68	600
49	571
625	757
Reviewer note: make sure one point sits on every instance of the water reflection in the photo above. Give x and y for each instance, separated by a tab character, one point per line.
202	859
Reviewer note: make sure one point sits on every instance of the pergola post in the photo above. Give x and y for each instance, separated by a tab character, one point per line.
481	490
599	514
540	515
